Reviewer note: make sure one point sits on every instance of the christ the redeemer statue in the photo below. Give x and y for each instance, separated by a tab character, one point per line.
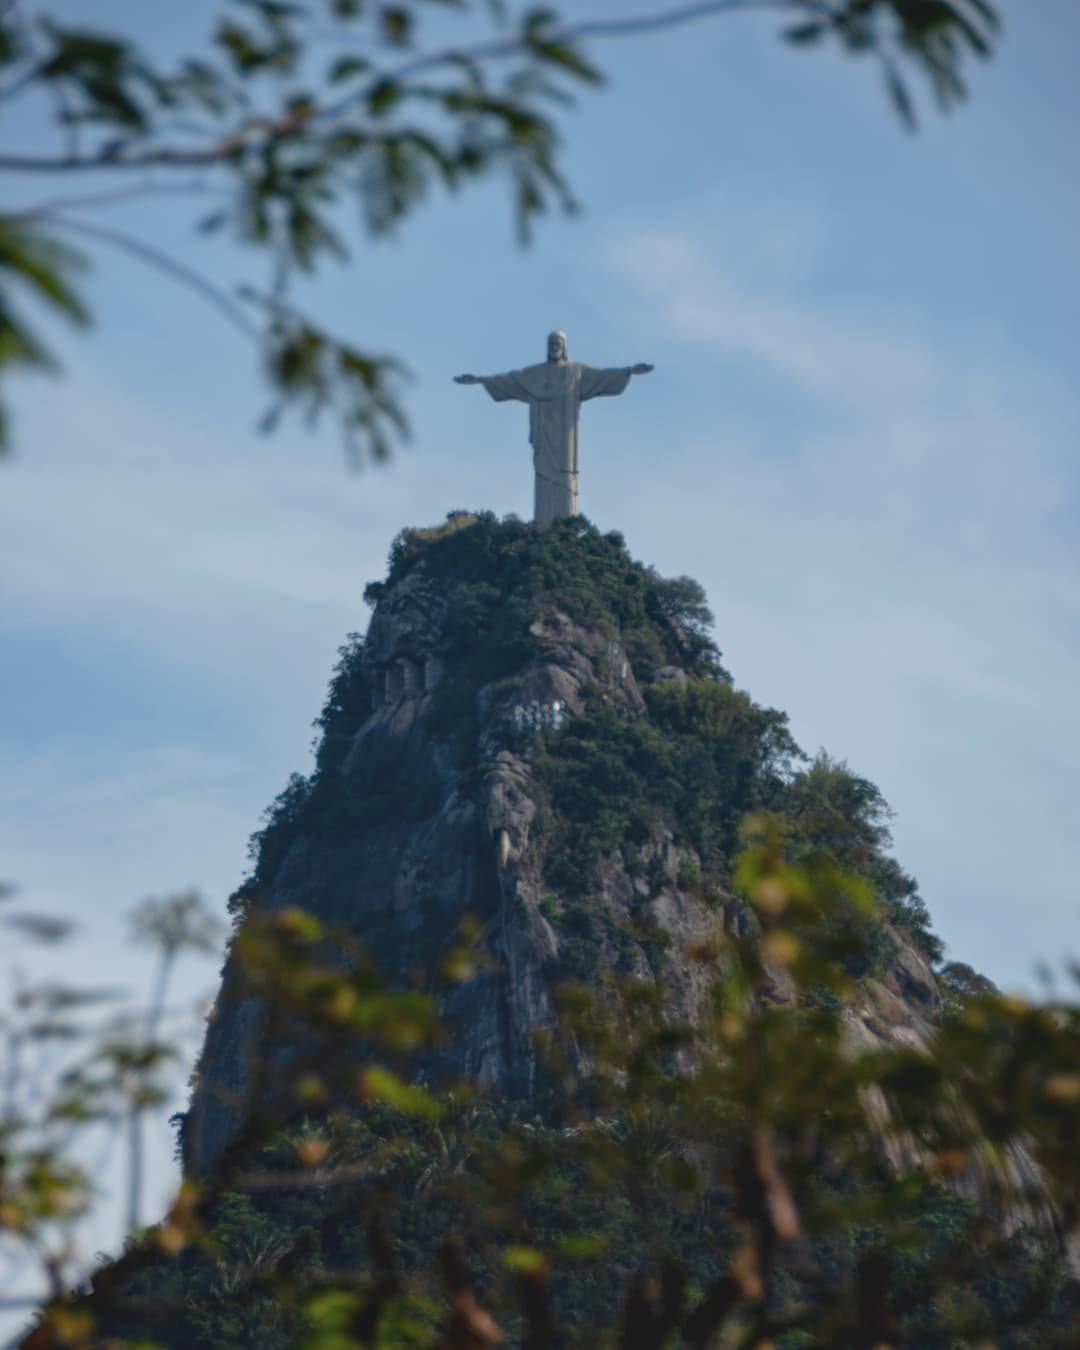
555	391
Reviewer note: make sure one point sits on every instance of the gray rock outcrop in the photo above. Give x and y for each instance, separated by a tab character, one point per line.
425	837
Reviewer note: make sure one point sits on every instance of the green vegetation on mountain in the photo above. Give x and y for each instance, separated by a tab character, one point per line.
702	758
750	1113
750	1195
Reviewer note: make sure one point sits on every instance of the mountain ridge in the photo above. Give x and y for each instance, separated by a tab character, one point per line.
537	732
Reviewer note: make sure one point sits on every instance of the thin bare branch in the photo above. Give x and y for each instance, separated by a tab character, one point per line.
20	86
587	30
164	262
42	211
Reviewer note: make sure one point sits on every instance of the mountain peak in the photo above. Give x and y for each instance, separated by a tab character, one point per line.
536	734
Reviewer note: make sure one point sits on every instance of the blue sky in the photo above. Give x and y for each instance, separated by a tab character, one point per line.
860	436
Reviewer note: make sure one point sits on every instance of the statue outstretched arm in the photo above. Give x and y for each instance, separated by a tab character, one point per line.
514	384
599	383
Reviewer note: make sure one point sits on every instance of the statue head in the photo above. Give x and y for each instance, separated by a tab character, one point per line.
557	346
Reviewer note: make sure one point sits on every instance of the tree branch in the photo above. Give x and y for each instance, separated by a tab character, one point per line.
245	138
20	85
43	211
592	28
164	262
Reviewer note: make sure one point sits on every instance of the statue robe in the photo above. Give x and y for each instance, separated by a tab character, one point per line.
555	391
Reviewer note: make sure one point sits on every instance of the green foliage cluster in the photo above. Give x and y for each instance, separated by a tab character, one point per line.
502	576
348	702
705	756
723	1182
81	1063
614	775
572	567
832	810
292	111
587	1233
281	820
960	983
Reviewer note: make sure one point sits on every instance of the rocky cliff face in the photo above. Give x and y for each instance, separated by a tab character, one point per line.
465	743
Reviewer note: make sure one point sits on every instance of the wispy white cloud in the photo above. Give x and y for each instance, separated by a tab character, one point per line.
725	291
156	817
895	564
